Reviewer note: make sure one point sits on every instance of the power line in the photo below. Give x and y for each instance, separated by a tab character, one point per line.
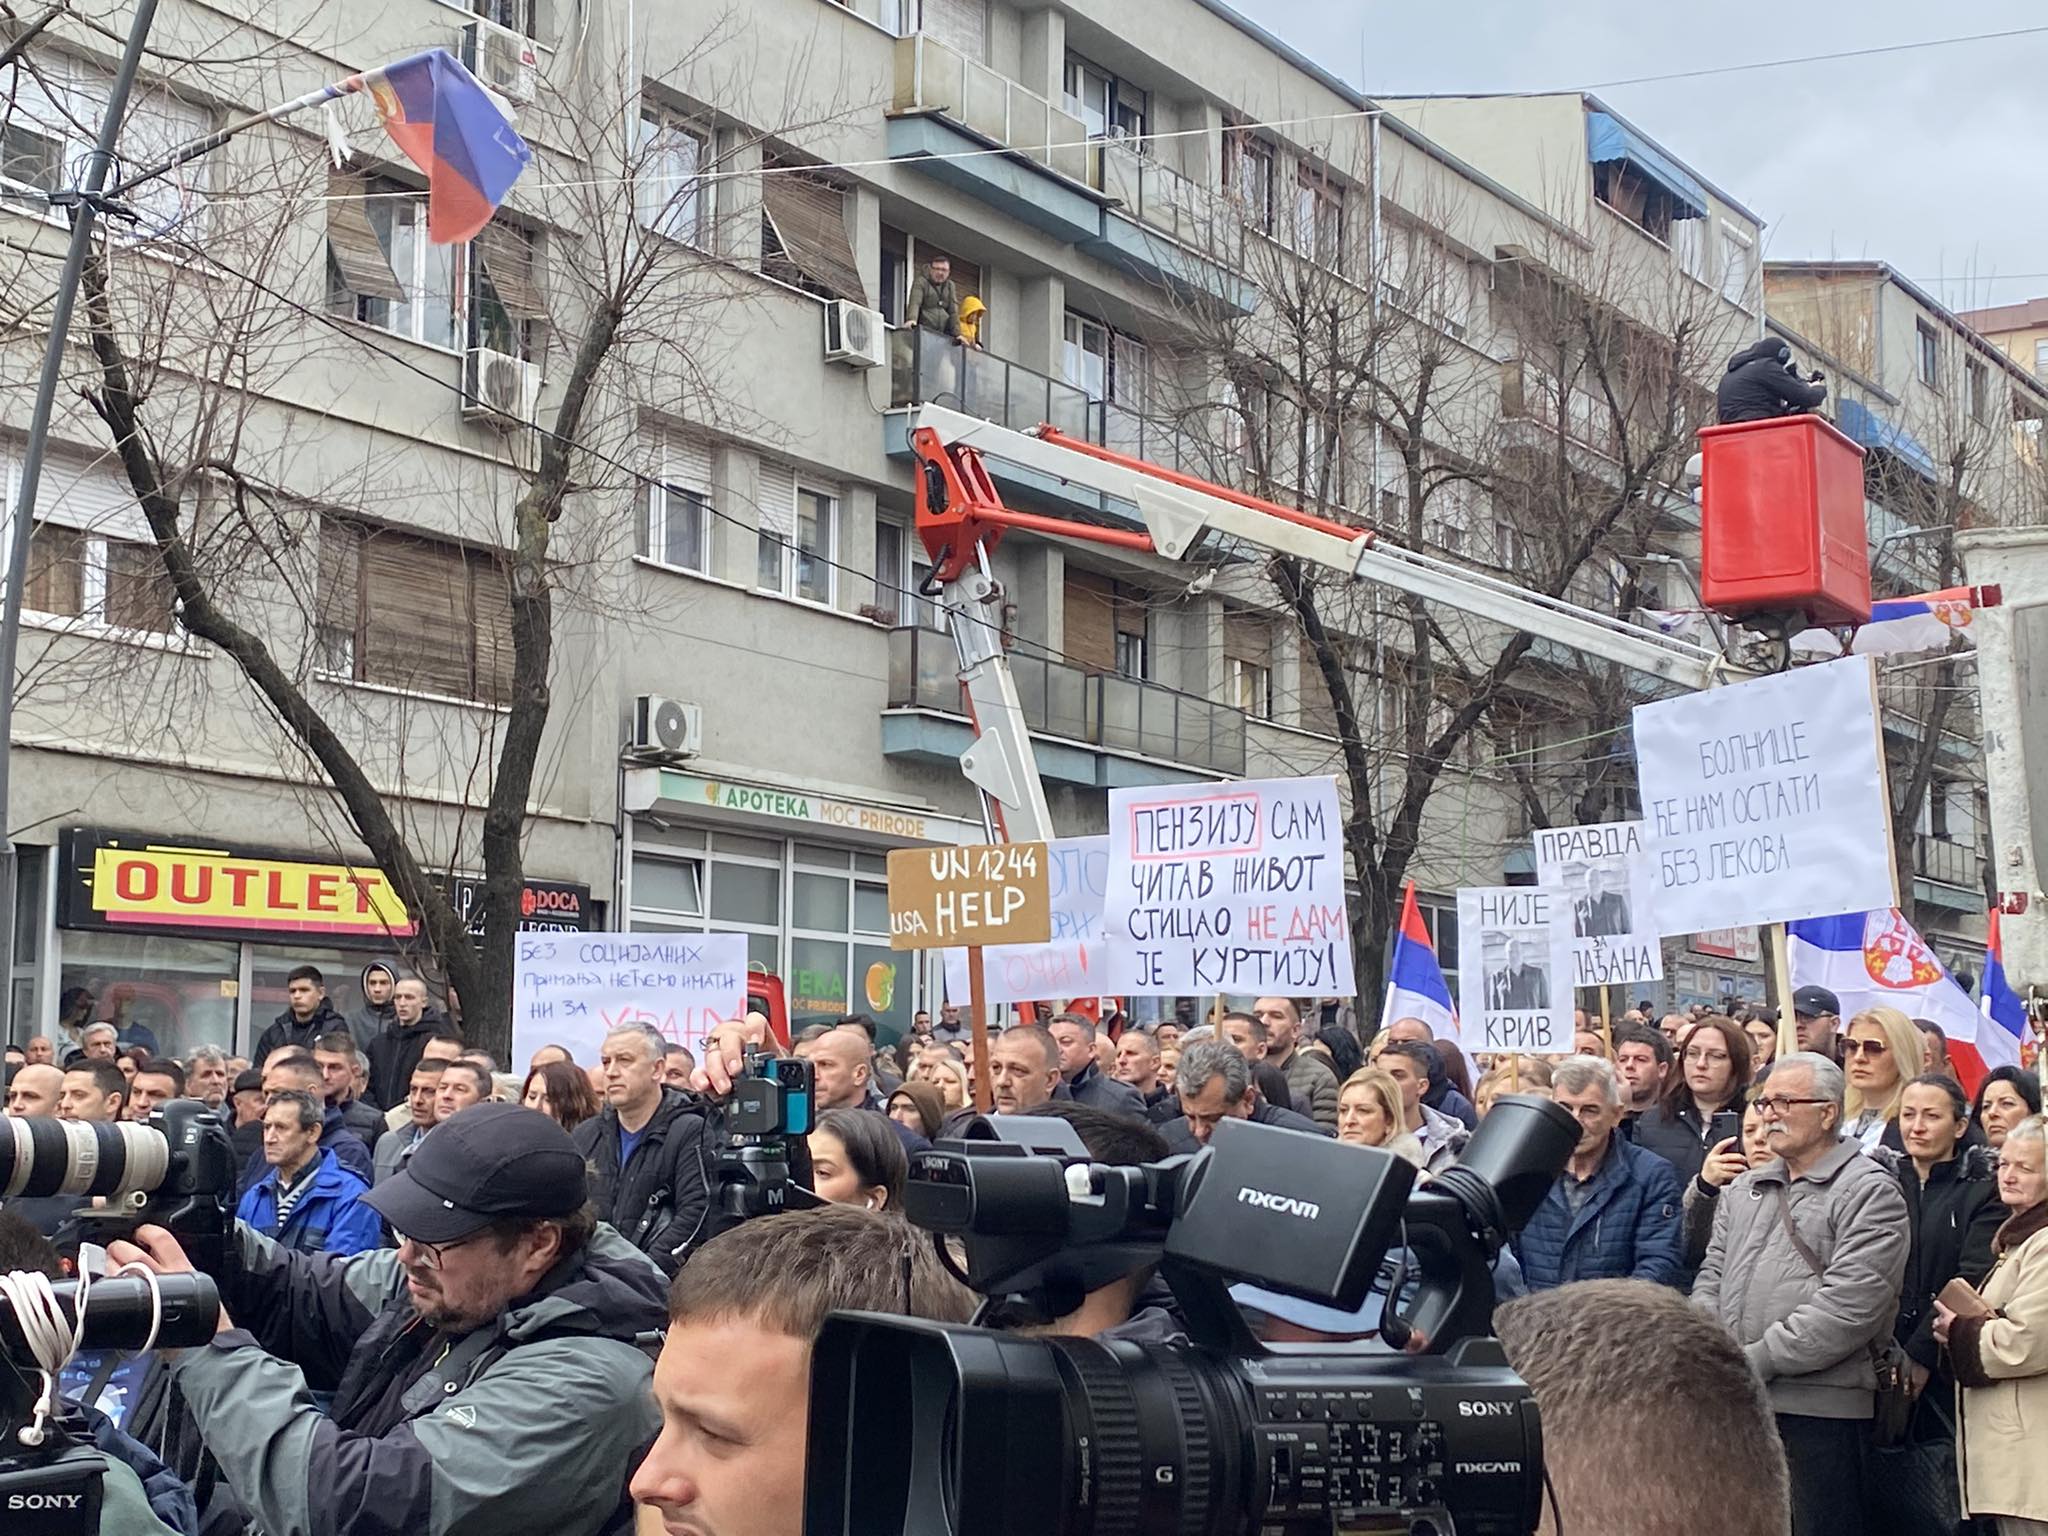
1808	58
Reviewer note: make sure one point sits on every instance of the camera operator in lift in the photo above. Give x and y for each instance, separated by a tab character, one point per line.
1761	383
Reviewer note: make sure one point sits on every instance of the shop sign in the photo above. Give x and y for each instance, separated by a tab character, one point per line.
801	805
545	906
130	883
1728	944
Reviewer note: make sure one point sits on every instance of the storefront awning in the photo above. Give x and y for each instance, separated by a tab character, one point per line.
1609	138
1863	425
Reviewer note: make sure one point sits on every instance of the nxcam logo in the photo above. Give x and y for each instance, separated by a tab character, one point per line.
1286	1205
1487	1468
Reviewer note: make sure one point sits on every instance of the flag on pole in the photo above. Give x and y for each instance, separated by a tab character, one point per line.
1921	623
452	128
1877	960
1415	982
2005	1014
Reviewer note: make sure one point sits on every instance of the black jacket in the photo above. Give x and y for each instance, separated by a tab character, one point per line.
395	1052
1095	1090
1757	386
285	1030
1677	1136
1181	1138
1954	1215
658	1201
365	1120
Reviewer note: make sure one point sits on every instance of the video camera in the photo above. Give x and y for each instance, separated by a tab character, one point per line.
933	1429
177	1172
764	1162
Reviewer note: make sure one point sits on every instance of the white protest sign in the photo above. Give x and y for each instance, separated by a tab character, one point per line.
1515	969
1600	873
1227	888
571	989
1070	963
1765	801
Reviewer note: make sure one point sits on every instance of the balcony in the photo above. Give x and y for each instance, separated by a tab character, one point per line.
931	368
1907	701
1161	198
1529	394
1948	874
1099	730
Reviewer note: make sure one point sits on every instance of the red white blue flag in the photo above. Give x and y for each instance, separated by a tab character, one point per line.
1415	982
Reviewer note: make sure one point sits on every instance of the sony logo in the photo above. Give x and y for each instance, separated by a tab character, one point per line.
1485	1410
45	1500
1286	1205
1486	1468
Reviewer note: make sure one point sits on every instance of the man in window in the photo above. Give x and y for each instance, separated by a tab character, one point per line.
934	301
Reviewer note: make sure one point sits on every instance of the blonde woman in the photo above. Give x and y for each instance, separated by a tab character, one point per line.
1369	1114
1881	1053
939	1066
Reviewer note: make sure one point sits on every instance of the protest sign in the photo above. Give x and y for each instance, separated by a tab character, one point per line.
571	989
1600	873
1515	969
1765	801
1069	963
1227	888
989	893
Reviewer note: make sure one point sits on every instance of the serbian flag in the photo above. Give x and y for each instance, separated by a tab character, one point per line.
1878	960
453	129
2004	1013
1415	982
1922	623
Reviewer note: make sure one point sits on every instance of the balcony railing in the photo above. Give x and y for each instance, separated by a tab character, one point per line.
930	77
1909	699
931	368
1948	863
1118	714
1178	206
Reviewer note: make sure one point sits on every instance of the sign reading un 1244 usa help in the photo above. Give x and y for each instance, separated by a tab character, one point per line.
1227	888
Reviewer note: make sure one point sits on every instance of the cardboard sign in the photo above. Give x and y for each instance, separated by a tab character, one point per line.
991	893
1069	963
1227	888
1765	801
1515	969
1601	875
572	989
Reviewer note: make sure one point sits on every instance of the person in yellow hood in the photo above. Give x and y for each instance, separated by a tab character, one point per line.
971	311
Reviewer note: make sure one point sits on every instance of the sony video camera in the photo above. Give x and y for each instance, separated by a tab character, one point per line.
176	1172
932	1429
764	1162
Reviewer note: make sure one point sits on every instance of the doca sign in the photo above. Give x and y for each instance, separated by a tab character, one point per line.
994	893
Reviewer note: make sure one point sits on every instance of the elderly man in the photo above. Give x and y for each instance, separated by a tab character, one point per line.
1085	1081
206	1075
1137	1063
1214	1082
34	1092
306	1201
100	1042
1804	1268
1613	1214
291	1067
1311	1081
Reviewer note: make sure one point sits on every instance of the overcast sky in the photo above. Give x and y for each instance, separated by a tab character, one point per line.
1932	159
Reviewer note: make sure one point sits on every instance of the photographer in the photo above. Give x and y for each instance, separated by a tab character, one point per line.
485	1375
1760	384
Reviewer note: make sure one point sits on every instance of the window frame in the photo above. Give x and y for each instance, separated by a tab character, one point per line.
388	192
1245	151
696	203
2041	358
1737	240
1926	354
792	551
95	568
1071	346
354	672
1977	389
523	330
1318	200
488	10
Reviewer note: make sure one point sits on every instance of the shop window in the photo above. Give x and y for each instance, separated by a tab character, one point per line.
417	614
31	875
668	887
182	990
745	893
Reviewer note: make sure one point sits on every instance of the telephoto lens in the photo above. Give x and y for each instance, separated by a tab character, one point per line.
40	1156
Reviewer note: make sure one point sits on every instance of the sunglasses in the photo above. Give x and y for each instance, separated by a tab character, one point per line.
1864	1048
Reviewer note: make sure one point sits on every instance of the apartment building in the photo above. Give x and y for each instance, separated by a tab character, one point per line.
749	705
2020	331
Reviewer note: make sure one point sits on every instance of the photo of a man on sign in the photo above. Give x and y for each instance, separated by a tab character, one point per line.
1600	907
1514	982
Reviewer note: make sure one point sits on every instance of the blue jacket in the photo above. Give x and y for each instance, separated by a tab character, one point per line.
329	1218
1628	1228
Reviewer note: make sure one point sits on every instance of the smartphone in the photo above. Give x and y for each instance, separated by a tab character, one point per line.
1723	1124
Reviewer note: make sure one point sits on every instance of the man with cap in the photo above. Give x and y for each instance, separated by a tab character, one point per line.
485	1375
1817	1012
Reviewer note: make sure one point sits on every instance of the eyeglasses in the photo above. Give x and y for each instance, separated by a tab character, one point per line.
1864	1047
430	1253
1776	1106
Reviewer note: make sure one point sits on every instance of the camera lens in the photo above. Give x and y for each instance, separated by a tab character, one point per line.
40	1157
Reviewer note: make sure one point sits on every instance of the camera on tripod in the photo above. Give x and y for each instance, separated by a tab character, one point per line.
932	1429
177	1172
767	1118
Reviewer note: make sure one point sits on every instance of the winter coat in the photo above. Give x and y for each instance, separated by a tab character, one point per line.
394	1149
1180	1137
1758	387
934	306
531	1422
1679	1136
1312	1085
1443	1140
286	1030
1092	1088
2002	1365
335	1137
328	1218
397	1051
1954	1216
1808	1338
1626	1228
658	1200
372	1019
1446	1100
365	1120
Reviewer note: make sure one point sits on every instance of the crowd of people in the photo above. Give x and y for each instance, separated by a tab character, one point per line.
429	1245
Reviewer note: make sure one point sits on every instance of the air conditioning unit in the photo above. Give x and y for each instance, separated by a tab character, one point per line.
499	389
504	60
667	727
854	336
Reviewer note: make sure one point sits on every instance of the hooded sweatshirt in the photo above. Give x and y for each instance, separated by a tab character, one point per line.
372	1019
1758	386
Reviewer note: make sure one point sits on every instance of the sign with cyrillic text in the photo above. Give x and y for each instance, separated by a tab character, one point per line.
1599	872
1227	888
1069	963
1514	969
1765	801
990	893
572	989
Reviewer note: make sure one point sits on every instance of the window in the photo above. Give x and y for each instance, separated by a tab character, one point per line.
1689	246
53	114
674	516
1979	378
1110	108
803	233
1085	360
1635	197
1736	250
1248	176
901	570
1105	625
1927	353
418	614
2041	358
798	537
90	555
1318	216
1133	659
1248	664
381	268
668	198
518	15
505	302
1510	552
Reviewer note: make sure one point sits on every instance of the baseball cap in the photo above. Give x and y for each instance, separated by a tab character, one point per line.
1814	1001
489	1162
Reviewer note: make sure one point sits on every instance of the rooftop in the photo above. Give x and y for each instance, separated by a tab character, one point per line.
2006	317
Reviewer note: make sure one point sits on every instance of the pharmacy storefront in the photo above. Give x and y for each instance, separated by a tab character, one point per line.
803	875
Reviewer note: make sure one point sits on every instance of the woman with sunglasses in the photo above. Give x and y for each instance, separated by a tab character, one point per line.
1881	1053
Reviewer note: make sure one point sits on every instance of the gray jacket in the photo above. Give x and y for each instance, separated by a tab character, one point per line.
1443	1140
1312	1083
1809	1338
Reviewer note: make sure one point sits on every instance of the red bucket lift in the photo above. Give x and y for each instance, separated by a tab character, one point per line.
1783	544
